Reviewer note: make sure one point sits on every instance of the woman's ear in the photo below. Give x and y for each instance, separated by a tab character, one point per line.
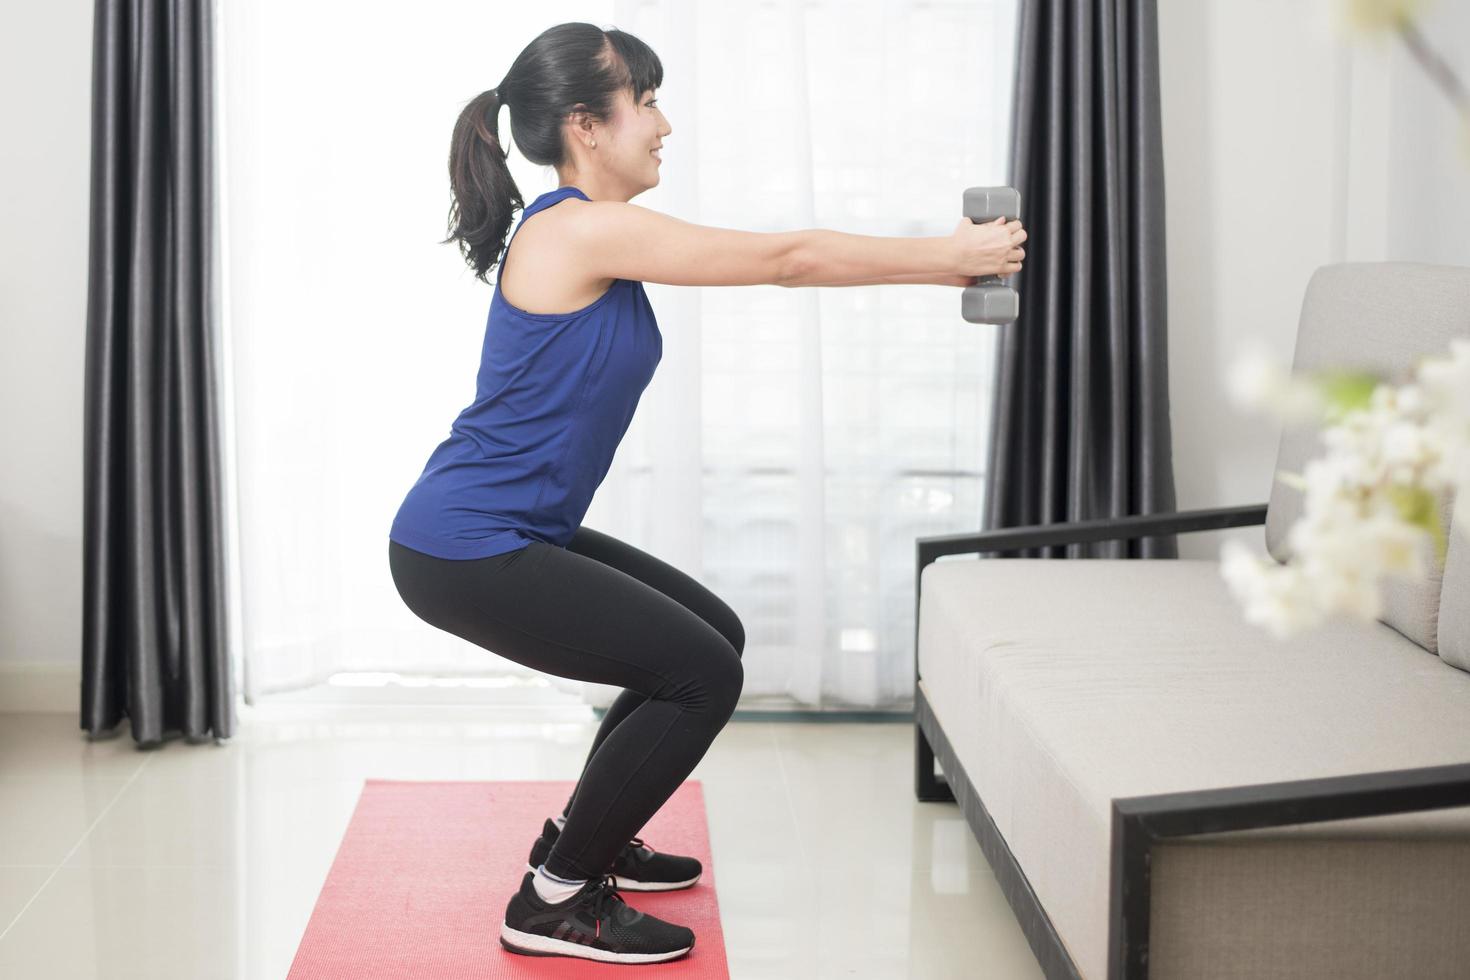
580	120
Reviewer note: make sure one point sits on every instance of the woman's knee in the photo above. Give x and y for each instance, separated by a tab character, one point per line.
726	681
737	639
709	680
732	680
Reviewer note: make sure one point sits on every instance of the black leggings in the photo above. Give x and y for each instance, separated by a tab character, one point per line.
598	610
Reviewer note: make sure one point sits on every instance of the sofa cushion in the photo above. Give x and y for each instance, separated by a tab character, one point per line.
1381	317
1064	684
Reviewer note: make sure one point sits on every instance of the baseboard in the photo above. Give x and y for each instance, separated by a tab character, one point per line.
48	687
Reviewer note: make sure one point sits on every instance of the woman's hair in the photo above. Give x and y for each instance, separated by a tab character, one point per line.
568	68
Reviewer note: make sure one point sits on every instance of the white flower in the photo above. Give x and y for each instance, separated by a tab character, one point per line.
1407	448
1257	381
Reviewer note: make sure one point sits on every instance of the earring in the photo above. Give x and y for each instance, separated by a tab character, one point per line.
594	144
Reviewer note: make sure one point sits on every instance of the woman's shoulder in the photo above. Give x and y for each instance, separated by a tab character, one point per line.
538	276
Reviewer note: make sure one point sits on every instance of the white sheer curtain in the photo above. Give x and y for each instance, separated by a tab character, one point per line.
793	442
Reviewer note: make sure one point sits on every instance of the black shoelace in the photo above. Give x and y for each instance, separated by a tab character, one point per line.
604	900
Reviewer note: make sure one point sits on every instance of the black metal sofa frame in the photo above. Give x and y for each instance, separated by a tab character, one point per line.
1139	821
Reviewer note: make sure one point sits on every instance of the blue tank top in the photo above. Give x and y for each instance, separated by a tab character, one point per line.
554	395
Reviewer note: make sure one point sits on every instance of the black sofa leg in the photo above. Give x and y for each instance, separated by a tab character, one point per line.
929	786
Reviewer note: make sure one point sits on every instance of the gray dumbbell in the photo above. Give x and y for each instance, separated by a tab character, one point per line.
991	301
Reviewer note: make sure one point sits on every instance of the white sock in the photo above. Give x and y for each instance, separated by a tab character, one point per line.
560	821
553	889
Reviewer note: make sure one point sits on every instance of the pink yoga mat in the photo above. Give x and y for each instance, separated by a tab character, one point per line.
421	879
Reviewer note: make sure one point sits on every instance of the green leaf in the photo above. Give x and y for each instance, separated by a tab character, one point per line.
1419	507
1346	391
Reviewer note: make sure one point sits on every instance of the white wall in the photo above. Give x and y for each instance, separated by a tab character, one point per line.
45	100
1289	143
1286	146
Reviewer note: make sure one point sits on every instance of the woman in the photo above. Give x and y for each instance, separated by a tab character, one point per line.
488	543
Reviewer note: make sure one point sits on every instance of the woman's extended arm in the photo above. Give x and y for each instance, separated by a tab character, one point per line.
821	256
917	278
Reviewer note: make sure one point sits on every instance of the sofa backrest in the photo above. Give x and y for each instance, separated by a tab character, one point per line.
1454	602
1382	317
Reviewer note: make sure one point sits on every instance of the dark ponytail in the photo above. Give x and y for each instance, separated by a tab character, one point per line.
484	193
568	68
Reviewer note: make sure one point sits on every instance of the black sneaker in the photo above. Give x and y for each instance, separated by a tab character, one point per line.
637	867
593	924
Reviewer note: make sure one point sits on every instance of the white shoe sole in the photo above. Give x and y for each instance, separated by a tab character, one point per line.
634	885
536	945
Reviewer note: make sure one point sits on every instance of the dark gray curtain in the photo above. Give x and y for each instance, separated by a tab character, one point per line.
1080	420
153	632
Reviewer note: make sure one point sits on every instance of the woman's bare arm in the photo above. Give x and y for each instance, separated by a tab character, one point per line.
613	239
618	240
821	256
917	278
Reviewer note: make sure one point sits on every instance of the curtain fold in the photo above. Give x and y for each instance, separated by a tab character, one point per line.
1080	419
154	647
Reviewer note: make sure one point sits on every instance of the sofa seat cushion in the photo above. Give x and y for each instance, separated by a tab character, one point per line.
1063	684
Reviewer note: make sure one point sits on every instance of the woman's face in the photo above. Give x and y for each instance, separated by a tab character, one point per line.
623	164
646	128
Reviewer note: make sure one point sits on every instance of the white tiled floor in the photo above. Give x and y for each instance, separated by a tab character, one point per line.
204	861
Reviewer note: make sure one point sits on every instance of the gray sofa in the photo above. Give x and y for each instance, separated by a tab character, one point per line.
1163	789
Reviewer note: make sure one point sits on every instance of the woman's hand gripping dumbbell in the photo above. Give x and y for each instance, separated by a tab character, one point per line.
988	249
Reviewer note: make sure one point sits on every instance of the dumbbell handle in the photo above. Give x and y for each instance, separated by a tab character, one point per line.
990	300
